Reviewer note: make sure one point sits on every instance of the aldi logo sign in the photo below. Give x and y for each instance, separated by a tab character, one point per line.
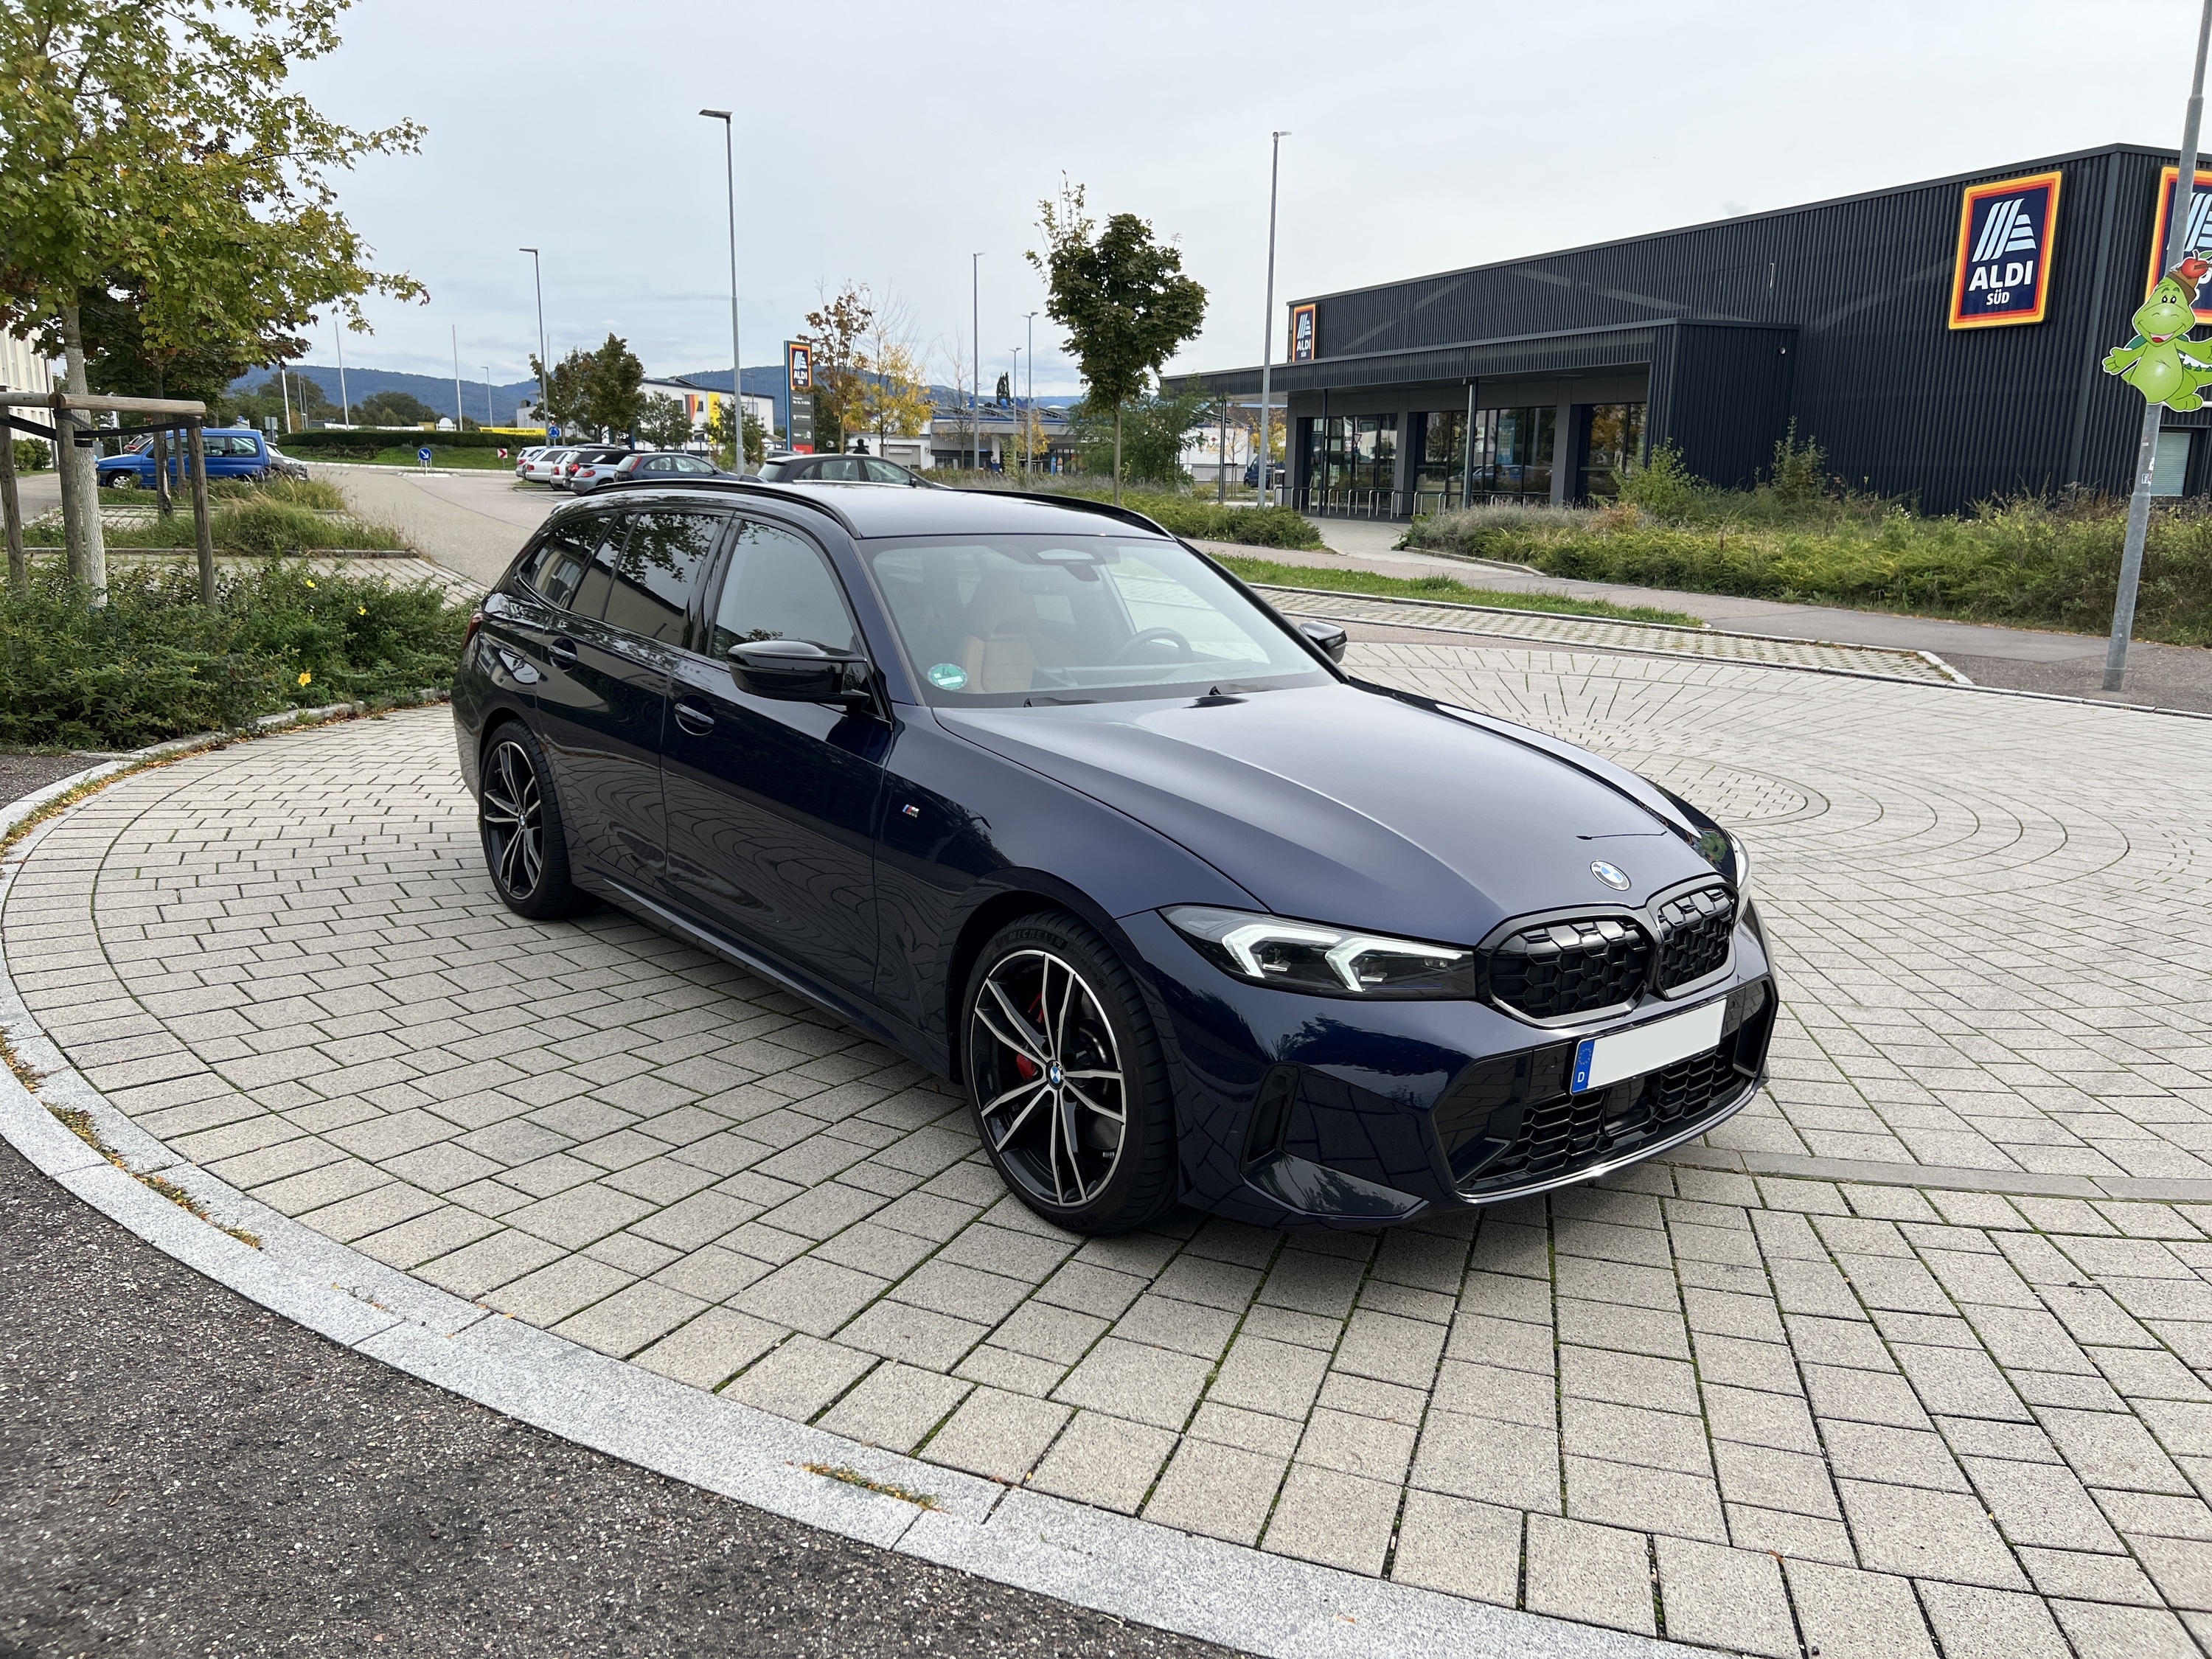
2196	231
2006	231
1302	323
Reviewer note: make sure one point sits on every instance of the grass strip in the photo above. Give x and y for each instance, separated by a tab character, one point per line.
1449	591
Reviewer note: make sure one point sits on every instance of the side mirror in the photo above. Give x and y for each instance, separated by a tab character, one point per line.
1328	635
799	670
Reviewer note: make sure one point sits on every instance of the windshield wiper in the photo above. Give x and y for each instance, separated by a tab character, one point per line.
1243	687
1032	703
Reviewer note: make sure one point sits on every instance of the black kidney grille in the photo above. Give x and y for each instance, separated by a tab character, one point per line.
1571	967
1695	934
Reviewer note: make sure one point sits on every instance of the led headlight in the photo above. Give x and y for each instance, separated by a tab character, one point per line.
1339	961
1726	854
1742	864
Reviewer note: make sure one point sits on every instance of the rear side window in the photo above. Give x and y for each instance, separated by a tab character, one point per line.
660	564
780	586
554	571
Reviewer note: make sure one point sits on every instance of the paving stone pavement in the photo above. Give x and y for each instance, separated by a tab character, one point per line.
1768	1413
1568	631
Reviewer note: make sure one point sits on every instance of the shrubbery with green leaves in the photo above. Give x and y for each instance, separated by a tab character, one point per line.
153	663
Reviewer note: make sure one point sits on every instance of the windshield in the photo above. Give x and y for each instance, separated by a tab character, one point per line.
1001	621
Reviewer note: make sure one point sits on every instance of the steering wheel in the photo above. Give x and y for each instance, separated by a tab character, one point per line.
1154	637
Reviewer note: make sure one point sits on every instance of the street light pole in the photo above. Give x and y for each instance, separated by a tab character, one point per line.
2177	236
490	419
538	275
976	357
737	358
1014	393
1028	442
460	416
1267	341
345	408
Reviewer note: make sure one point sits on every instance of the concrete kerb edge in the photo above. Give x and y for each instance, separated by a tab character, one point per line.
1240	1597
1957	682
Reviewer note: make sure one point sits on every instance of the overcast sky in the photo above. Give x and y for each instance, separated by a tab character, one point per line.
884	144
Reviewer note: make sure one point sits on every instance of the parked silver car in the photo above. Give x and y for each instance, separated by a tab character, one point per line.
544	466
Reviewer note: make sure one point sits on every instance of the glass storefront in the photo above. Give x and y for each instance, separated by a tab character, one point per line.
1513	450
1440	460
1616	437
1352	452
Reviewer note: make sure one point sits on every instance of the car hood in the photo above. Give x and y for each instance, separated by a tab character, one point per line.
1343	805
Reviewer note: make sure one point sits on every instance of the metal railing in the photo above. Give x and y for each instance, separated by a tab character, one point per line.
1383	503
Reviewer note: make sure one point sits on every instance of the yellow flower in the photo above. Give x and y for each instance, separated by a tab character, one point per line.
310	584
305	677
362	609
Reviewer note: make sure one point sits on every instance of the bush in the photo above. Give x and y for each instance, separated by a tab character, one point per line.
32	454
153	663
317	495
2027	562
324	443
1662	486
1178	515
263	521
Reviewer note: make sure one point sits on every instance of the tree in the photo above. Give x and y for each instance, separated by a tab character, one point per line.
596	391
394	409
152	147
753	435
837	332
664	421
1121	296
895	400
1155	429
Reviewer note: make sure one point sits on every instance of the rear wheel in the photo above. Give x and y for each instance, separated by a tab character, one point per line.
1067	1078
525	839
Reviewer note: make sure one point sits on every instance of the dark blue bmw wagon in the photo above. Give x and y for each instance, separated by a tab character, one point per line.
1048	801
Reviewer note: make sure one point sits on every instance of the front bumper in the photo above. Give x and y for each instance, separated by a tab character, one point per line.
1299	1110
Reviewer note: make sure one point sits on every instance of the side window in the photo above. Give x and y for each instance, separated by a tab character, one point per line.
659	566
842	469
780	586
558	566
600	537
884	472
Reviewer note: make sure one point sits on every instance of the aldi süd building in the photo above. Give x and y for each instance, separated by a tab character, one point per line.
1941	340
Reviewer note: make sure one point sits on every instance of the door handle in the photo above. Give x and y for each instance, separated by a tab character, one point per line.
693	719
563	652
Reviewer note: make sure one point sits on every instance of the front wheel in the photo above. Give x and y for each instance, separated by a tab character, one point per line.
1066	1079
525	838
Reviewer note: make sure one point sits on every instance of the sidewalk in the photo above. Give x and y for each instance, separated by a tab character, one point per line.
2023	660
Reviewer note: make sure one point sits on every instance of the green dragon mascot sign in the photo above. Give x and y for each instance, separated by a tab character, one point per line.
2159	362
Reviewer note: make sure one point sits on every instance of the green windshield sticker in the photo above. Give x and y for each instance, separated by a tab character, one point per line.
948	677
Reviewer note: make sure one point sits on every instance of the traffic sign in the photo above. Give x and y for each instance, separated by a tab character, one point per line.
423	455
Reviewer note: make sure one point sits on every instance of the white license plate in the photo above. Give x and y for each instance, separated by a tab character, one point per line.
1601	1061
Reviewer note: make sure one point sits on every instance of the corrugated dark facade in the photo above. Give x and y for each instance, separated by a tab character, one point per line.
1835	315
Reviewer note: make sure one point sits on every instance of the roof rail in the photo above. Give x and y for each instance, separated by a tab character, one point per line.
740	487
1081	504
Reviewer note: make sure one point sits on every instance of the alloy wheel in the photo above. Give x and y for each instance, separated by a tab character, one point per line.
512	813
1048	1077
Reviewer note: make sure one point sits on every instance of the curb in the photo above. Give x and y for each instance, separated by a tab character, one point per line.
1238	1596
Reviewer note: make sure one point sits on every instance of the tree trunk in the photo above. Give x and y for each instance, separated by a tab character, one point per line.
79	477
1117	454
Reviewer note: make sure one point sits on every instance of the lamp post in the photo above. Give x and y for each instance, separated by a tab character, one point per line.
1028	443
737	358
345	408
974	358
2177	244
488	420
460	416
1267	340
1014	392
538	275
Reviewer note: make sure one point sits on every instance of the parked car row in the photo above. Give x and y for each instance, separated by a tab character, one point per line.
580	471
232	452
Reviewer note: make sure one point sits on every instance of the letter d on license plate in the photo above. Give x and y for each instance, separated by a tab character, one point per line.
1601	1061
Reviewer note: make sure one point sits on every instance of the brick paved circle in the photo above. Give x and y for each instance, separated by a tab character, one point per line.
1841	1415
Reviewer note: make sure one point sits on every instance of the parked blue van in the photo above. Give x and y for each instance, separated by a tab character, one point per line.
232	452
